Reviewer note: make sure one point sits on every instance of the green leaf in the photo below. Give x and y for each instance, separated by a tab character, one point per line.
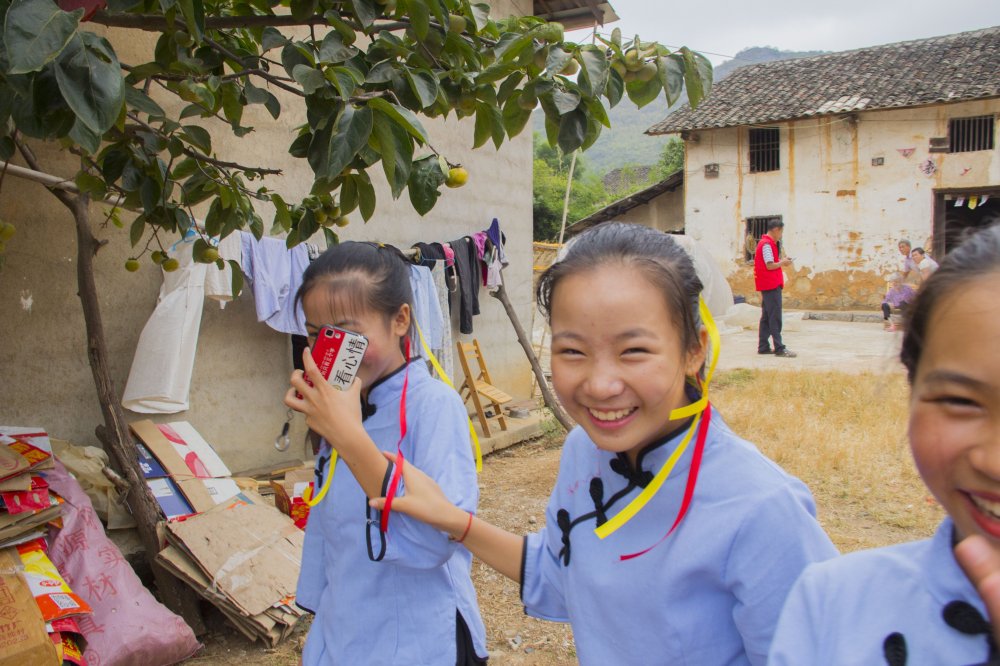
291	56
137	230
366	12
424	86
593	132
331	237
426	178
334	146
348	195
186	167
333	50
85	137
309	78
697	76
597	110
557	59
198	250
572	131
303	9
237	272
140	101
401	115
90	184
396	148
616	88
35	33
514	117
366	196
194	17
282	216
643	92
489	124
593	77
232	103
565	100
272	38
420	18
90	81
552	128
481	15
671	73
198	137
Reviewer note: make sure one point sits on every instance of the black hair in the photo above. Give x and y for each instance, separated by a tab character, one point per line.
667	265
977	256
904	241
369	275
774	223
918	249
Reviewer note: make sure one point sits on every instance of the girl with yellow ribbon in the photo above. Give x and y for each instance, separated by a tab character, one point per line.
668	539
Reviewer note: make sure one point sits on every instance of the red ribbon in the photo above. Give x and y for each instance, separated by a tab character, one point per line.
699	448
398	471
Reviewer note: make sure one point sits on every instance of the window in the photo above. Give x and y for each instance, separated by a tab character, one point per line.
765	143
756	227
968	134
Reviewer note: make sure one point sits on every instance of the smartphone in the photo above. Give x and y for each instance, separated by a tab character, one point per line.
338	354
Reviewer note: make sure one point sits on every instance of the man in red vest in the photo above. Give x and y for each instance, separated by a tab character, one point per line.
769	280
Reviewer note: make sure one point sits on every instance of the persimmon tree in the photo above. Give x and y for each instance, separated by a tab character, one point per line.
365	71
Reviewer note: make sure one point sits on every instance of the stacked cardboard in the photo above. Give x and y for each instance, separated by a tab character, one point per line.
243	556
291	493
183	471
26	504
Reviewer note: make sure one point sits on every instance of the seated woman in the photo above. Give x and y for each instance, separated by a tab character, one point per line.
897	297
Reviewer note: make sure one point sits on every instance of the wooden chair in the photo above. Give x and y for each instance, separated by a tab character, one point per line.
480	387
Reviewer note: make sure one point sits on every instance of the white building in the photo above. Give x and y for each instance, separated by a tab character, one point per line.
853	151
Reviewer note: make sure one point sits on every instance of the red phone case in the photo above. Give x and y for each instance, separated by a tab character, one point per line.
338	355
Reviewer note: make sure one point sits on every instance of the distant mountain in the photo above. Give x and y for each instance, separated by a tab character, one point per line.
626	143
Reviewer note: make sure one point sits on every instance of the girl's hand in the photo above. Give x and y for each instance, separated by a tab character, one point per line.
982	565
334	414
425	501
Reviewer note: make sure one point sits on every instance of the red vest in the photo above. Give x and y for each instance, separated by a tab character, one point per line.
765	279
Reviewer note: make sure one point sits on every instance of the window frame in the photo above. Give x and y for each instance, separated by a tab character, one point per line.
970	134
755	227
764	149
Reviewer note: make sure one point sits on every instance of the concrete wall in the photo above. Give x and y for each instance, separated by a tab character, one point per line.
242	367
665	212
843	215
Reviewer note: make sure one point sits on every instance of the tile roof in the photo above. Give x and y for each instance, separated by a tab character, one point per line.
613	210
940	69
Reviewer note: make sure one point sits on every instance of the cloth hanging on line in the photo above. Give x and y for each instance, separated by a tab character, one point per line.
160	378
426	307
274	274
467	265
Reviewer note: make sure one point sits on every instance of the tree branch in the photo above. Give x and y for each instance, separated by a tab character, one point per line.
157	22
29	156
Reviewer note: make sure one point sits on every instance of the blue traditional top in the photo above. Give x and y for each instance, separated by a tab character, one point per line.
708	594
909	603
396	605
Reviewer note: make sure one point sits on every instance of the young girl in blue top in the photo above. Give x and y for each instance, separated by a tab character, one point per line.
912	603
402	596
669	539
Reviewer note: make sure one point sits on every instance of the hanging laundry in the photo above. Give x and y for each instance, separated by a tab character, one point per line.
960	201
973	202
426	307
443	352
160	378
274	274
467	264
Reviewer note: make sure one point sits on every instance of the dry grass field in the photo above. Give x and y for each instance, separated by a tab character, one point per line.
844	435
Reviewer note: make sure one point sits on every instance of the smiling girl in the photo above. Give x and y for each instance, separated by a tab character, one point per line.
912	603
628	359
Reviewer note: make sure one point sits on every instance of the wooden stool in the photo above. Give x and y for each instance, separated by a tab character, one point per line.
480	387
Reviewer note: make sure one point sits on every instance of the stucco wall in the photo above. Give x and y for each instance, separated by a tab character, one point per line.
665	212
843	216
242	367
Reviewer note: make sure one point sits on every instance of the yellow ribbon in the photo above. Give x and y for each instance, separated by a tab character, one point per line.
307	493
695	409
444	377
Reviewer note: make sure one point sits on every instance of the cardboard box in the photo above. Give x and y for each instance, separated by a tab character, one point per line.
288	494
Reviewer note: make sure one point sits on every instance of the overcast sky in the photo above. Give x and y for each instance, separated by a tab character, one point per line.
720	29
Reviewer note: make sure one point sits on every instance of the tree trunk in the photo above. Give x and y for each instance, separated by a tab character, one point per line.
115	433
550	400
